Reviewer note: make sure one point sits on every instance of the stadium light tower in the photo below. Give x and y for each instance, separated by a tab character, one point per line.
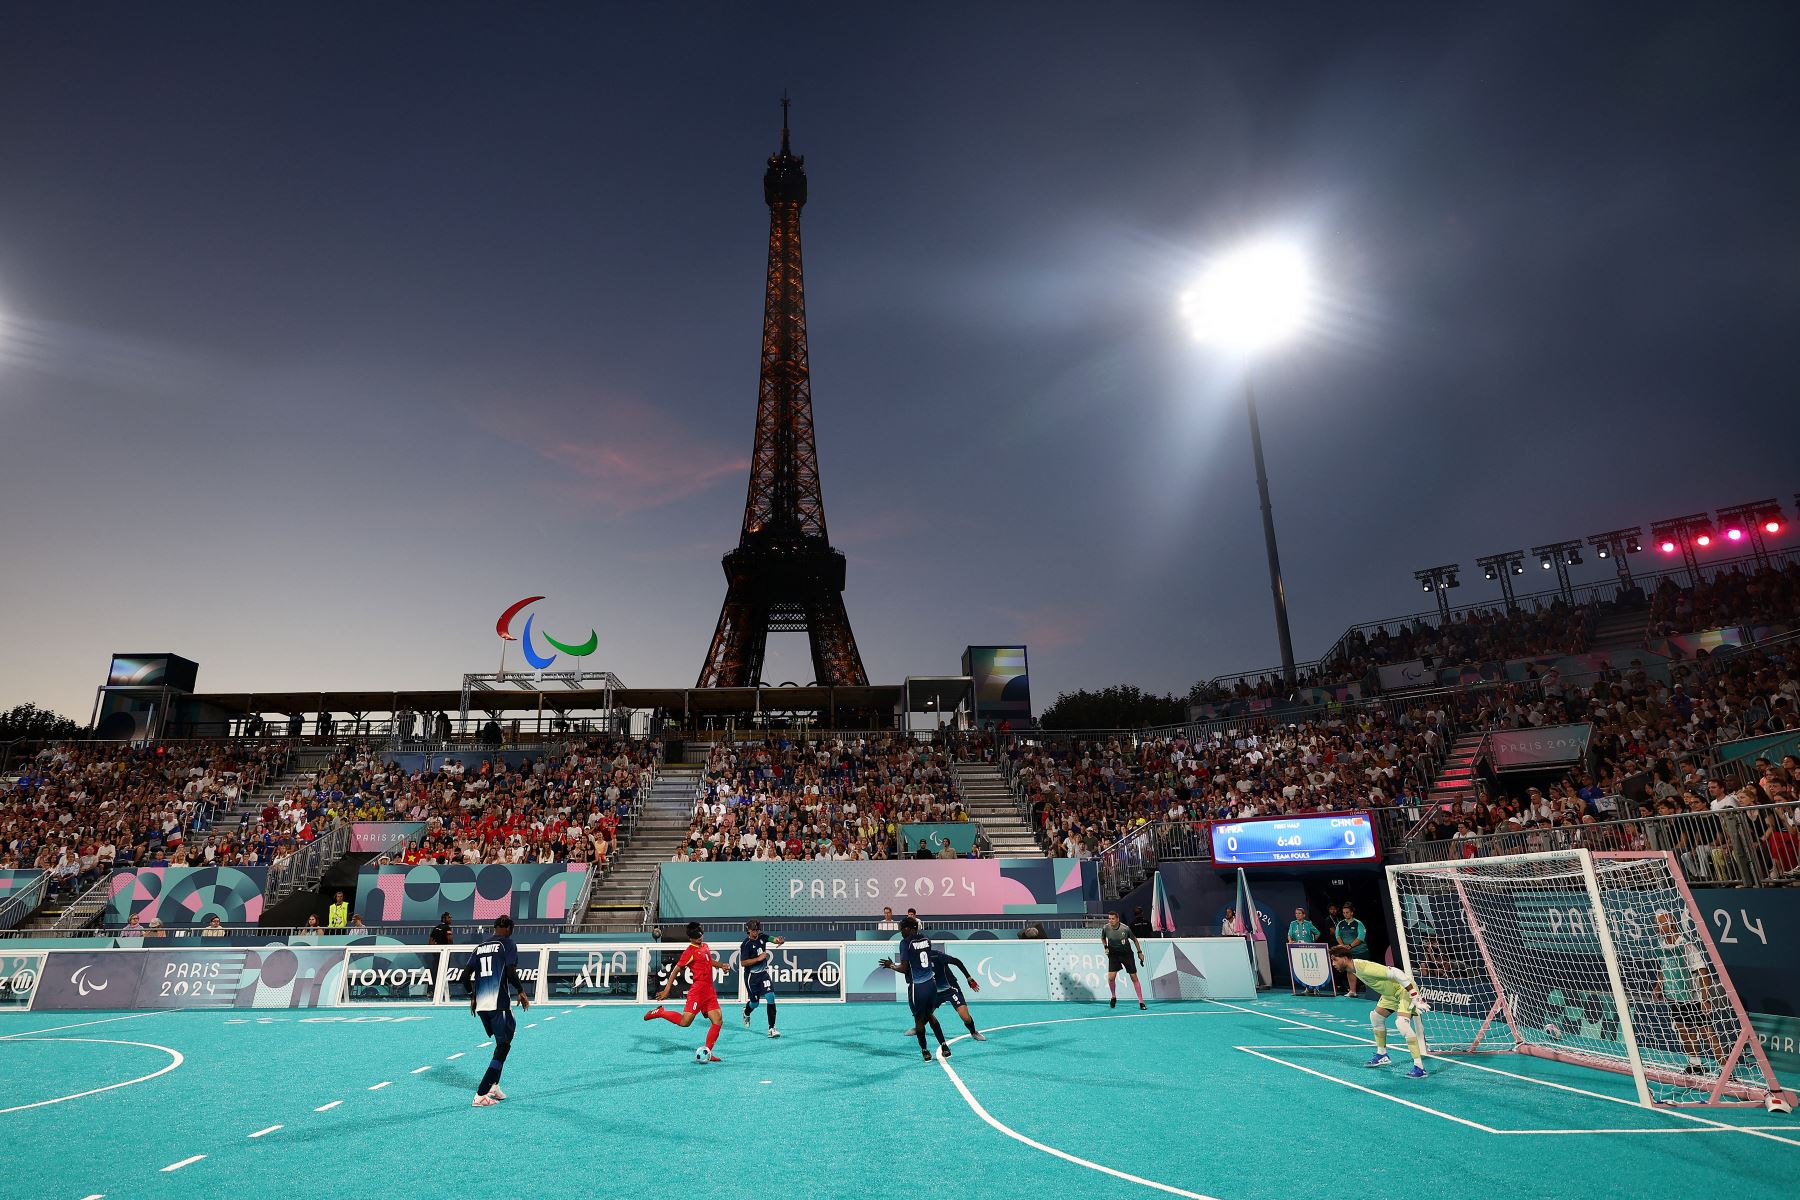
1503	567
1248	302
1751	523
1559	557
1616	544
1684	535
1440	580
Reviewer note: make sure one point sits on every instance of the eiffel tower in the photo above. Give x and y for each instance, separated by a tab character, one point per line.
784	577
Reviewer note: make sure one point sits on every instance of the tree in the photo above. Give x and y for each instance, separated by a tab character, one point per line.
39	724
1121	706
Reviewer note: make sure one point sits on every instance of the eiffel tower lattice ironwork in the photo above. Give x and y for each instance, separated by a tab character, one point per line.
784	577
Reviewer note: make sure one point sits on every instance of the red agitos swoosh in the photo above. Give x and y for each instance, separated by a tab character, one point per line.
503	625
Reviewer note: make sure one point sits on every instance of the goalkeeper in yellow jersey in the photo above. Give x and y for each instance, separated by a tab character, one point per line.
1398	994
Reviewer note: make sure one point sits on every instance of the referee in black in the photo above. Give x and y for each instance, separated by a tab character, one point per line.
1119	941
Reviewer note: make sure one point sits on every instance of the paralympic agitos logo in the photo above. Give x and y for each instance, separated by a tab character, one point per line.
503	627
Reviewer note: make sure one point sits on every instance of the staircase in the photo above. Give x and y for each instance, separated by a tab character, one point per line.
616	903
989	800
1620	630
249	806
1455	780
70	913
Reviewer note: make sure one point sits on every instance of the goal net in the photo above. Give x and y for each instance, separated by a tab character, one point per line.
1600	959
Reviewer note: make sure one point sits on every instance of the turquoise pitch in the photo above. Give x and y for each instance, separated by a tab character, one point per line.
605	1104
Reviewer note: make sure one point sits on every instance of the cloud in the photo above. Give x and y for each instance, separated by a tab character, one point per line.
639	458
1050	627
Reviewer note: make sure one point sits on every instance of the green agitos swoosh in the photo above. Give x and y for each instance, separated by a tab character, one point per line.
577	651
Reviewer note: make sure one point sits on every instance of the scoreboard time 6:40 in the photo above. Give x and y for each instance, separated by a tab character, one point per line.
1272	841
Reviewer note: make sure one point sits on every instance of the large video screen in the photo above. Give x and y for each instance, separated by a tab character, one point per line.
1002	683
153	670
1288	841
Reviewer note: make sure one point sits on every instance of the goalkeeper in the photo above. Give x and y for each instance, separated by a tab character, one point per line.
1398	994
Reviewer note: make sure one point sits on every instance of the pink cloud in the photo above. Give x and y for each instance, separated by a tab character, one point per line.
639	457
1049	627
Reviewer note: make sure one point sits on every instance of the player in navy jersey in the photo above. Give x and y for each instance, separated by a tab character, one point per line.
948	991
493	975
754	957
921	983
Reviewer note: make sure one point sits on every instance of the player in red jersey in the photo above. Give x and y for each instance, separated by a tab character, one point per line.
702	997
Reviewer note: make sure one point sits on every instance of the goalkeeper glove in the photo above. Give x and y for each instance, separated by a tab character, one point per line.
1419	1001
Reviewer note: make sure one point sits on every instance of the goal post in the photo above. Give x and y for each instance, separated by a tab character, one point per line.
1601	959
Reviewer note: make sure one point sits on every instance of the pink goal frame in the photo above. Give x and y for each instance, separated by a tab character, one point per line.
1724	1093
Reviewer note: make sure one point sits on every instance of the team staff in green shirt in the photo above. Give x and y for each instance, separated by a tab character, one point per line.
1301	929
1353	936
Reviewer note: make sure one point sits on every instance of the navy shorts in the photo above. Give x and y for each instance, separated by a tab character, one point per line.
760	984
952	996
923	998
499	1024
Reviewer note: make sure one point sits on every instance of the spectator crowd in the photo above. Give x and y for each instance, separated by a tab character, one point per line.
839	798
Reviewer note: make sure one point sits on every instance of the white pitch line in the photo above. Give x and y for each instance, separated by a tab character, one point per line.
1371	1091
985	1115
456	1056
1665	1111
382	1084
26	1033
484	1045
328	1107
420	1070
95	1196
186	1162
175	1060
533	1025
260	1132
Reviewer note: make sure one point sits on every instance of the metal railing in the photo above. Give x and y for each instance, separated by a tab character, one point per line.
1732	847
578	910
83	909
1132	859
24	901
307	865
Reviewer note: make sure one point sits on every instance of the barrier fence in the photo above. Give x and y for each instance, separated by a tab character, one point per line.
1732	847
318	977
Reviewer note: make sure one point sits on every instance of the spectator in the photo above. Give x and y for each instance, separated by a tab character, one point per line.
215	928
1352	935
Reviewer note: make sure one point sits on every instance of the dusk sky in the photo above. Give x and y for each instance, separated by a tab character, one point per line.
328	330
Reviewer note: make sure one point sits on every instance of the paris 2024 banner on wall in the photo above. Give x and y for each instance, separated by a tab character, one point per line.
983	887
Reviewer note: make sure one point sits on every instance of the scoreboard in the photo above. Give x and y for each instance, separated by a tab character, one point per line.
1281	841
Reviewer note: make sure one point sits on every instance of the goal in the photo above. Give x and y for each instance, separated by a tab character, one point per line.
1595	958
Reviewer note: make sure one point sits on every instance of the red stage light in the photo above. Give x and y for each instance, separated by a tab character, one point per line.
1668	547
1735	534
1771	526
1703	541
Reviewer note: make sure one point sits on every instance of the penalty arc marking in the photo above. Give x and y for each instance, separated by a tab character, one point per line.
985	1115
175	1060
